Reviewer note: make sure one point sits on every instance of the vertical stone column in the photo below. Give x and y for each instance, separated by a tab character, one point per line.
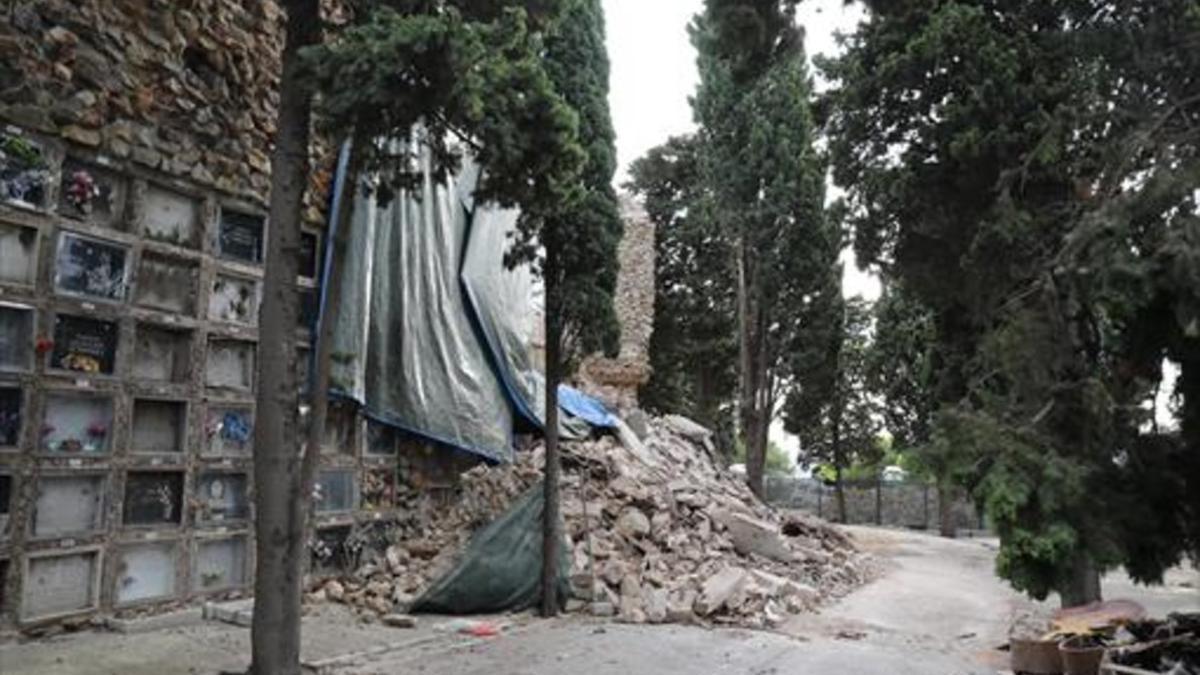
615	381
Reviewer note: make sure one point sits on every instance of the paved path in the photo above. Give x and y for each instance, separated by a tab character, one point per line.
938	610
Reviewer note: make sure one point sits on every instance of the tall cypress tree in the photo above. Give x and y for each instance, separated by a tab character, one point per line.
766	183
580	242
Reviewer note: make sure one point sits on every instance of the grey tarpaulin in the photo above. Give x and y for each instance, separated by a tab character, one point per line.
404	345
432	332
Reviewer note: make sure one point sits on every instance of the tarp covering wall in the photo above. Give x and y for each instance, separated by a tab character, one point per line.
404	343
433	332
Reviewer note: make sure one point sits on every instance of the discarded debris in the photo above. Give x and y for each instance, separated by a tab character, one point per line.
669	536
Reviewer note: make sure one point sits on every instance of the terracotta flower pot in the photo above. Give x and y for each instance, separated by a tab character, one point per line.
1035	657
1079	657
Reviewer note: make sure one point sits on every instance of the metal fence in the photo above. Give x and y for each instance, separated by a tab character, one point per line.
908	504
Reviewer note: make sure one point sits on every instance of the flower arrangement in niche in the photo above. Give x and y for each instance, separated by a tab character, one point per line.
81	191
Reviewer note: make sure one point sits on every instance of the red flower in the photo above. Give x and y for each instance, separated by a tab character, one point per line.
44	345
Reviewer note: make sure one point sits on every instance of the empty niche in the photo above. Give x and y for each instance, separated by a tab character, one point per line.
24	171
16	337
6	495
4	564
10	416
18	254
77	423
306	318
145	572
84	345
331	553
310	254
169	217
219	564
162	354
159	426
230	364
91	193
240	237
303	368
381	439
233	299
334	491
60	584
90	267
340	430
221	497
68	506
229	431
167	283
153	498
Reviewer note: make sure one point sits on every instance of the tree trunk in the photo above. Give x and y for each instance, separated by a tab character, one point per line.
280	503
878	500
839	489
754	420
550	534
1083	587
945	497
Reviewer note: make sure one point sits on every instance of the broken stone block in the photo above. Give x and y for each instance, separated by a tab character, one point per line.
655	603
719	589
603	608
751	536
335	591
633	523
399	620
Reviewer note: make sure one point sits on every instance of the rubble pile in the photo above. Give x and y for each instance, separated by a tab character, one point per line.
658	531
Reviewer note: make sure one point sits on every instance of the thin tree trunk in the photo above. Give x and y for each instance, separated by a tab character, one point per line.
550	510
1083	587
279	499
753	420
878	500
945	497
839	489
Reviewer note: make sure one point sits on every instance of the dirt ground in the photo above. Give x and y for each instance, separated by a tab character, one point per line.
937	610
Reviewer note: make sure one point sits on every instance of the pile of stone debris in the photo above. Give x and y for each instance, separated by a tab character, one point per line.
659	532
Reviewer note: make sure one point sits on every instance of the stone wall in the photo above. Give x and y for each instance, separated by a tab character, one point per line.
616	381
135	138
185	87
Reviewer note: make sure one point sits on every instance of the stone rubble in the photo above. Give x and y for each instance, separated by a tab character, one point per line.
658	533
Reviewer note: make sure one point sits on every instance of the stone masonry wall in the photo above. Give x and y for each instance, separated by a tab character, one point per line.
616	381
186	87
135	138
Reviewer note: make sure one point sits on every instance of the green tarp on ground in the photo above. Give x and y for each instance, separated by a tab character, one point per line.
501	568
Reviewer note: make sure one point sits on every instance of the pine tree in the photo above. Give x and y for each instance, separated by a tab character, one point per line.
766	185
580	264
693	347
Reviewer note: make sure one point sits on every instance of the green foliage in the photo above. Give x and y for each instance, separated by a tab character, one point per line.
463	77
900	365
763	182
1025	172
832	408
777	464
693	347
580	269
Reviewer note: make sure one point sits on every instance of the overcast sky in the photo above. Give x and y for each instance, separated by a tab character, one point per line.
654	73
